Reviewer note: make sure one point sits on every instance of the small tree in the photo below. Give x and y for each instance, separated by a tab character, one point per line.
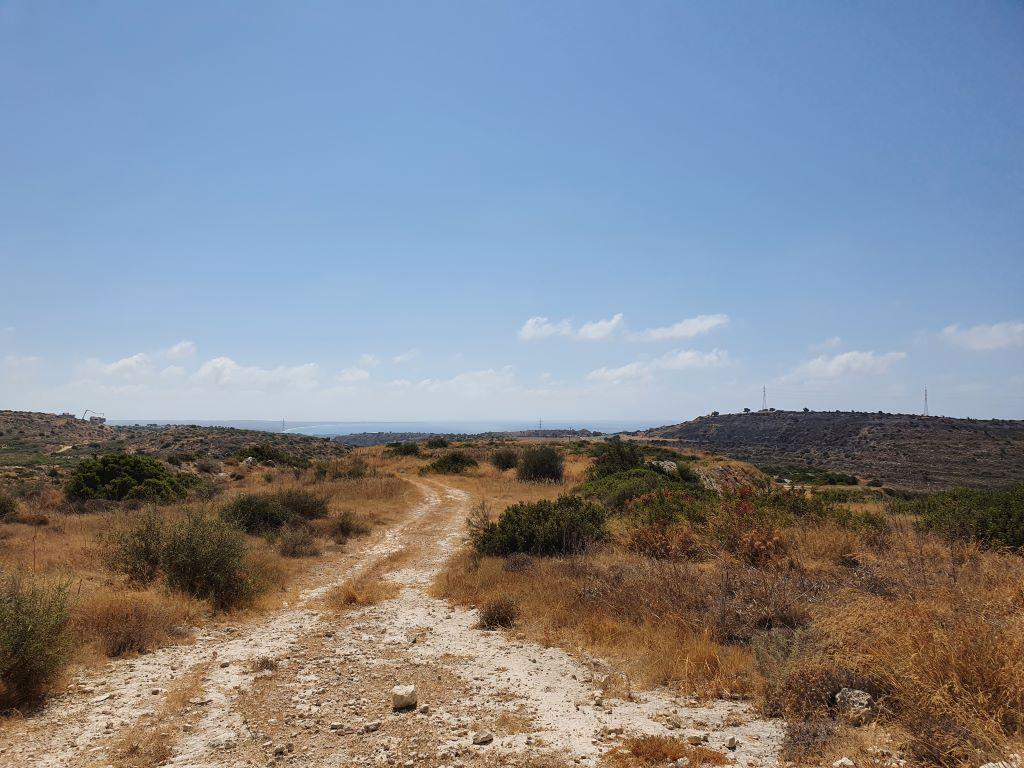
540	463
505	458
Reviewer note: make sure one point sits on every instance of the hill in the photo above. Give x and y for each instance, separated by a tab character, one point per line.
31	441
901	451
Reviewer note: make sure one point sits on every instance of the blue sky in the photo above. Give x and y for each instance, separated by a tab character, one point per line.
363	211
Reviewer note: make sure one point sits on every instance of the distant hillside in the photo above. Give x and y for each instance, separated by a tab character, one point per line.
912	452
36	439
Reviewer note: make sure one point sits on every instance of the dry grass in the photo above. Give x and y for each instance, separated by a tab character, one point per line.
934	631
370	586
132	621
659	750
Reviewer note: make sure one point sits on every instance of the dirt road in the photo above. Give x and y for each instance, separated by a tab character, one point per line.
308	686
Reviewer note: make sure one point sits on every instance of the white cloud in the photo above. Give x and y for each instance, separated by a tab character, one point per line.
846	364
181	351
405	357
352	375
18	367
472	384
172	372
369	361
984	338
673	361
830	343
542	328
600	329
223	372
684	329
133	367
7	333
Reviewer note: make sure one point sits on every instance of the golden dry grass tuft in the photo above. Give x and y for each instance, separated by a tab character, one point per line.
361	591
641	751
132	621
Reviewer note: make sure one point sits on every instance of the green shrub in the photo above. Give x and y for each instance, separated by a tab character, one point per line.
297	541
345	525
257	513
137	549
505	458
566	526
539	463
206	557
615	455
994	518
208	466
302	503
437	442
8	506
404	449
616	490
265	452
452	463
34	639
666	505
120	476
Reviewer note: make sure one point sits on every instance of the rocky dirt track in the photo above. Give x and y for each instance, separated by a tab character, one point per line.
310	686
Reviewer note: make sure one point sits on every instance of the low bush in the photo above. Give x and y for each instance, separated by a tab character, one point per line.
257	513
566	526
403	449
615	455
206	557
437	442
8	506
993	518
120	476
505	458
266	453
500	612
345	525
615	491
302	504
34	638
129	622
136	549
540	463
452	463
208	466
297	541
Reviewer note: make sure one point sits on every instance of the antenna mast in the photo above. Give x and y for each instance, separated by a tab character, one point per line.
925	402
764	398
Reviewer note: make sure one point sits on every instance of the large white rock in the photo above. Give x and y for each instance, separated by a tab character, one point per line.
403	697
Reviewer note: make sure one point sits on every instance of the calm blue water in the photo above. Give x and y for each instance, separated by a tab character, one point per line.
331	428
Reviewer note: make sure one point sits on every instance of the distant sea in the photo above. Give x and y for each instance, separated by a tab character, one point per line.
331	428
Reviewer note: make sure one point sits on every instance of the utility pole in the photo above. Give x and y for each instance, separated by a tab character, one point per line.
925	402
764	398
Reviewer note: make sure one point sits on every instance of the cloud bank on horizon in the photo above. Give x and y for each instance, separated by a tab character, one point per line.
178	381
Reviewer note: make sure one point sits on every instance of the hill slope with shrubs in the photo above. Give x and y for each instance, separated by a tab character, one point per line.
901	451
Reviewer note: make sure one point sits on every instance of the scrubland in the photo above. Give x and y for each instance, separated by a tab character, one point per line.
782	596
92	574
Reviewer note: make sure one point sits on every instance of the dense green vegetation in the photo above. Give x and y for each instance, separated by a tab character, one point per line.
565	526
539	463
120	476
34	638
993	518
452	463
403	449
261	513
505	458
265	453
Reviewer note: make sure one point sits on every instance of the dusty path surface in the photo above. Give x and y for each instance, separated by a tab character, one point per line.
307	685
